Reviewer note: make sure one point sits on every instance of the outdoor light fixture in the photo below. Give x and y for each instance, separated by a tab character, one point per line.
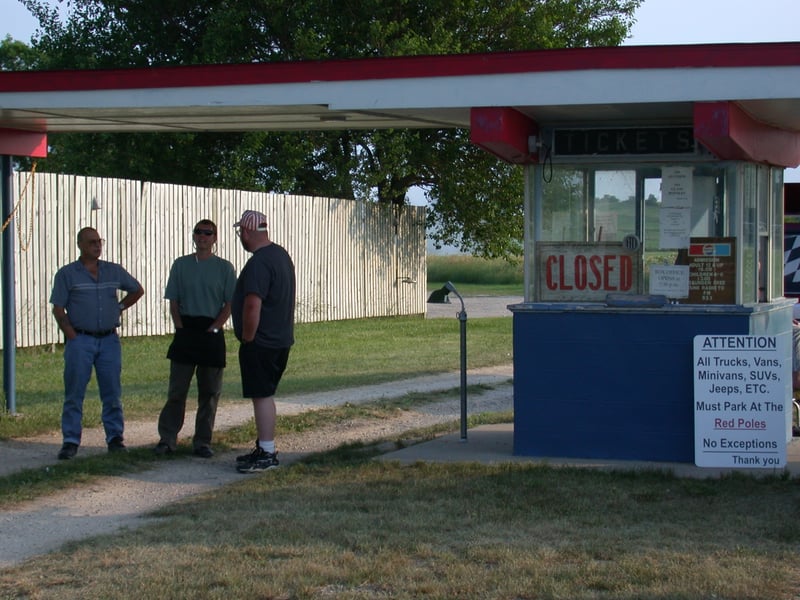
441	296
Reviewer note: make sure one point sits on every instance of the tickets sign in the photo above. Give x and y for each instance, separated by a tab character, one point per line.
583	272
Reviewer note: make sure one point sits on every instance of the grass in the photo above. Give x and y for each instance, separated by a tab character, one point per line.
356	528
476	276
326	356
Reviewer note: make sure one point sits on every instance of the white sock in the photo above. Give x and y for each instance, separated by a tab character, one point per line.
267	446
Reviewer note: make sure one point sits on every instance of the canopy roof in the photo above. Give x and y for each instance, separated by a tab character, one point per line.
628	84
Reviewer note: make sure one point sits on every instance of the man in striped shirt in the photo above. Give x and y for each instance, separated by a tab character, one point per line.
87	309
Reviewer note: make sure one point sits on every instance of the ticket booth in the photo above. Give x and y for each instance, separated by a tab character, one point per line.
638	238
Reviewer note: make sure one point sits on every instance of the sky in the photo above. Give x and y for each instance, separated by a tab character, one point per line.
657	22
717	21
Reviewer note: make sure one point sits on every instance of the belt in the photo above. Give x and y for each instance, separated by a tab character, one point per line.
97	334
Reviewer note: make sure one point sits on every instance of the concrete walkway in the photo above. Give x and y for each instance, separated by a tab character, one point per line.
493	444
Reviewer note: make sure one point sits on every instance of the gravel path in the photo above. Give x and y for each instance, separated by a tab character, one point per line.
113	504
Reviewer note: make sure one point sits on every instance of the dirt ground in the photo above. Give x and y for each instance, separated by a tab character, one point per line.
112	504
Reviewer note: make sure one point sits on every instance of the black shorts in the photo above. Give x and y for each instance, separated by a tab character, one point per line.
262	369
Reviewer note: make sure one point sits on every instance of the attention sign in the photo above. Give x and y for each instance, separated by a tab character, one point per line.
584	272
741	389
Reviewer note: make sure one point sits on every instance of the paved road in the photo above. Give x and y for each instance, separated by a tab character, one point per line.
475	307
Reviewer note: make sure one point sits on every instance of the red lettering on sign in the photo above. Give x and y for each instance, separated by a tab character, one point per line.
609	272
580	272
625	273
561	283
549	279
594	264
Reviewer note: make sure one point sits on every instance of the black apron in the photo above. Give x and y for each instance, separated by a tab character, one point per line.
193	345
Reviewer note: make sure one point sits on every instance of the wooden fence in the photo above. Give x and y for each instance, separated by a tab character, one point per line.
353	259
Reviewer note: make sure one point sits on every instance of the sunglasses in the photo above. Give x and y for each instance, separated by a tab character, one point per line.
204	232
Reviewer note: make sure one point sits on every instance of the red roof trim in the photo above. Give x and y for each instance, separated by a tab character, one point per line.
571	59
731	134
504	132
14	142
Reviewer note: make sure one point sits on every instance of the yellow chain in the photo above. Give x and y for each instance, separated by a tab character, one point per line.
24	245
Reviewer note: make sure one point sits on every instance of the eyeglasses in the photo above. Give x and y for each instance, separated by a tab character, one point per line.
204	232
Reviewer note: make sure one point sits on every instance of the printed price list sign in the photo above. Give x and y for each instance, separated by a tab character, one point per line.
741	384
712	271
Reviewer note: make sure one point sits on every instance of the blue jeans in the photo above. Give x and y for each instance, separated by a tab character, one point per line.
80	355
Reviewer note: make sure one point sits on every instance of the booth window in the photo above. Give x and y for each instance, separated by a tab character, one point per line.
760	189
670	208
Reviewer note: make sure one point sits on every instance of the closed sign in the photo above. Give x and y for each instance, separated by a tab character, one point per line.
579	272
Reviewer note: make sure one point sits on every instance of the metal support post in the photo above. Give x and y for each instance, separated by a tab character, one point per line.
462	318
9	304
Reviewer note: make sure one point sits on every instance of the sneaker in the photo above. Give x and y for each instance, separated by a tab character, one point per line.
116	445
258	460
203	452
68	450
245	458
162	448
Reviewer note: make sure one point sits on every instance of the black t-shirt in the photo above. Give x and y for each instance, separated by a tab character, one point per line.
269	274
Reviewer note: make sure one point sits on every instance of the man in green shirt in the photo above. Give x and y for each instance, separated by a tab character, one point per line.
199	289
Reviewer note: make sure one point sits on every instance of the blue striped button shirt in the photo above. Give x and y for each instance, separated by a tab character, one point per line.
92	304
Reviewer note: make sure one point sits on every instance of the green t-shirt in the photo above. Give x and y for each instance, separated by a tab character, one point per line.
200	287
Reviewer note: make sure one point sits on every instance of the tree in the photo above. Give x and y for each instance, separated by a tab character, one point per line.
16	55
475	199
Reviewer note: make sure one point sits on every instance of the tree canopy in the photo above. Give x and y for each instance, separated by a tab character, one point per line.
475	200
16	55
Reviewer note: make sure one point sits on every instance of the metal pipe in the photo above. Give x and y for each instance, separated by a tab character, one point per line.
442	297
462	319
9	305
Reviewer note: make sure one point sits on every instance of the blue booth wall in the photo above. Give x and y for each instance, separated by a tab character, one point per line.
617	383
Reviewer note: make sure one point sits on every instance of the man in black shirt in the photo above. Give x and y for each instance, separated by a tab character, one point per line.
263	321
